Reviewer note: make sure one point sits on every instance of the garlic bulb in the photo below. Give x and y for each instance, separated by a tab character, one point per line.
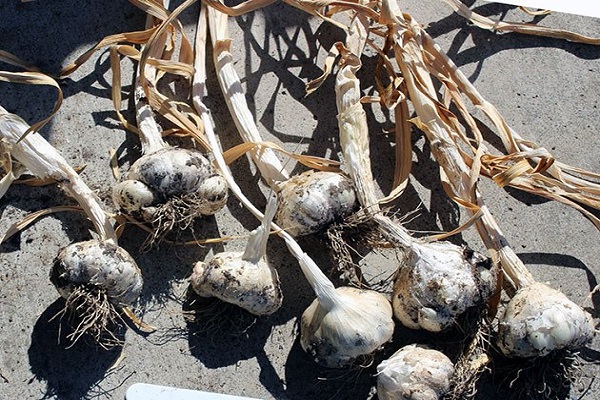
243	278
539	319
312	200
98	265
414	372
171	178
354	323
438	282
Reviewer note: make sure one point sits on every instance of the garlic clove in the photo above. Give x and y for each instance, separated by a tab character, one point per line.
539	319
253	287
313	200
132	196
359	323
438	282
213	192
99	265
414	372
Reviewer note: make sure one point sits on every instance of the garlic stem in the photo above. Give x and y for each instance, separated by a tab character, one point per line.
148	129
352	119
265	159
43	160
257	243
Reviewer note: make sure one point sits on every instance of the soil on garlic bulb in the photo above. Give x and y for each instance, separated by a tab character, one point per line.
97	279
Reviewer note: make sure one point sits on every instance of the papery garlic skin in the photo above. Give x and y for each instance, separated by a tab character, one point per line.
539	319
253	287
312	200
358	324
438	282
171	175
98	265
414	373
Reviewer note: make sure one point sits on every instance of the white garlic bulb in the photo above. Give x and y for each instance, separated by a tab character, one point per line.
414	372
438	282
252	286
313	200
539	319
354	323
181	179
243	278
98	265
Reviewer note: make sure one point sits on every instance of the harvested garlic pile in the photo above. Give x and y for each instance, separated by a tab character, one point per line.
342	324
414	372
243	278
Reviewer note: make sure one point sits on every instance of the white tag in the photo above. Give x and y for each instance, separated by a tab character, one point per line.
588	8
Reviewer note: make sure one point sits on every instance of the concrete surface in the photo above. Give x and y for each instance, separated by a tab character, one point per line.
547	89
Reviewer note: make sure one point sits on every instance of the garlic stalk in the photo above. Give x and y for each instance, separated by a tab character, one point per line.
243	278
342	324
414	372
167	186
436	282
310	201
97	277
538	319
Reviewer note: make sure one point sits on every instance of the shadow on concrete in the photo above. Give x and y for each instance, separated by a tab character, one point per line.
71	371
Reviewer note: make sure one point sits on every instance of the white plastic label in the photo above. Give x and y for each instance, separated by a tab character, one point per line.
144	391
588	8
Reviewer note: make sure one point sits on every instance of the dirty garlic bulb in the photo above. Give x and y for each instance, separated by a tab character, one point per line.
438	282
98	265
414	372
167	186
353	323
97	277
313	200
539	319
180	179
243	278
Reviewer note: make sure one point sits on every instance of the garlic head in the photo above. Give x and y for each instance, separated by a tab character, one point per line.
174	173
313	200
359	323
439	281
414	372
98	265
539	319
252	286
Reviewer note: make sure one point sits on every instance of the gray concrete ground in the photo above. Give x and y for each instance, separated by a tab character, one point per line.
547	89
